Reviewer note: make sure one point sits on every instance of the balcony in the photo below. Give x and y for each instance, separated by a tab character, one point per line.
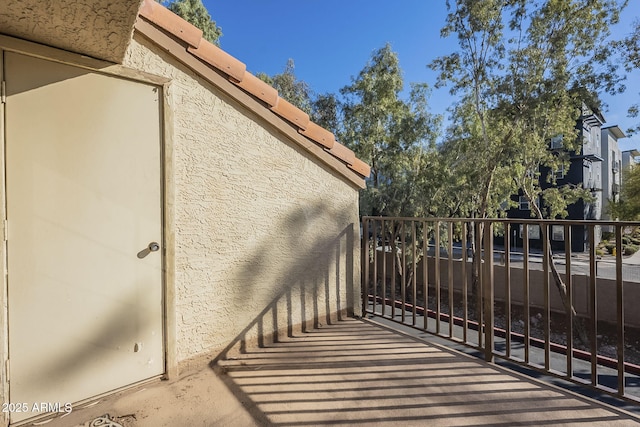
354	372
437	343
615	188
506	302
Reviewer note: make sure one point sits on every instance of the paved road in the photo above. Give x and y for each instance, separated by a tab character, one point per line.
605	266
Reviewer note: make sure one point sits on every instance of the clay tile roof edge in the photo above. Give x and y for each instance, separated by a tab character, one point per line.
343	153
211	55
164	18
291	113
361	167
258	88
319	134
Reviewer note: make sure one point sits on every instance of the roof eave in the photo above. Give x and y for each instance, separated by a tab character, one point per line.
287	121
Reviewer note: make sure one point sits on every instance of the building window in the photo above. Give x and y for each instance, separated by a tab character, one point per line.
557	232
523	203
534	231
559	173
556	142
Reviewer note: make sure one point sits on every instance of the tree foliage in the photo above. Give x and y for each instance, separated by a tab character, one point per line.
395	136
628	207
297	92
323	109
629	48
523	71
195	12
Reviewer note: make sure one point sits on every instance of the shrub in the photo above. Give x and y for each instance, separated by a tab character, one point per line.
607	235
600	251
631	249
610	247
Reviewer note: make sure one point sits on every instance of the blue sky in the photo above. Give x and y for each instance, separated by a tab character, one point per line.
331	41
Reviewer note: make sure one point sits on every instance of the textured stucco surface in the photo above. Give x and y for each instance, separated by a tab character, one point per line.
266	238
97	28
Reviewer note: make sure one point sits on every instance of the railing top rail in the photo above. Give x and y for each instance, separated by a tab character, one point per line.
533	221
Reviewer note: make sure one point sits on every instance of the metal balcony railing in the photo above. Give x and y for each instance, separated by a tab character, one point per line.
522	290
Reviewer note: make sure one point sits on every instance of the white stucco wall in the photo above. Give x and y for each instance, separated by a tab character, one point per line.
265	236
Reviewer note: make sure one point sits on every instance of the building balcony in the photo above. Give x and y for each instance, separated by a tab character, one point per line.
504	301
450	307
356	372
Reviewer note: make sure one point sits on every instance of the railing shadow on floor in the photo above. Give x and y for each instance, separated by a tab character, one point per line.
562	317
357	372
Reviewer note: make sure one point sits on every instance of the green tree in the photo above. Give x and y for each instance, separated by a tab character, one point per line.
397	138
297	92
325	111
523	71
628	207
194	12
629	48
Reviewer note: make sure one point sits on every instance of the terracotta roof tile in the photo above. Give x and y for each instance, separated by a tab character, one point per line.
259	89
361	167
164	18
319	134
343	153
215	58
291	113
213	55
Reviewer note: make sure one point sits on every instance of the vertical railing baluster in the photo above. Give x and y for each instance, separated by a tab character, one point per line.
373	226
437	274
394	251
465	290
450	276
425	273
620	310
507	286
593	304
414	292
526	292
569	285
365	264
488	292
478	272
384	268
546	260
403	269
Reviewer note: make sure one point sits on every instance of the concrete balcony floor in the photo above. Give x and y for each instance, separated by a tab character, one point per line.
353	372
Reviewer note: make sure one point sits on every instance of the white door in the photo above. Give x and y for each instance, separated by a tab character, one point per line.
83	206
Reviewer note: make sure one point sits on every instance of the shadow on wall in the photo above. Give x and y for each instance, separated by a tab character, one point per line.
300	276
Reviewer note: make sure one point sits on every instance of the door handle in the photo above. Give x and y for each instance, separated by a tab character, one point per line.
153	247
